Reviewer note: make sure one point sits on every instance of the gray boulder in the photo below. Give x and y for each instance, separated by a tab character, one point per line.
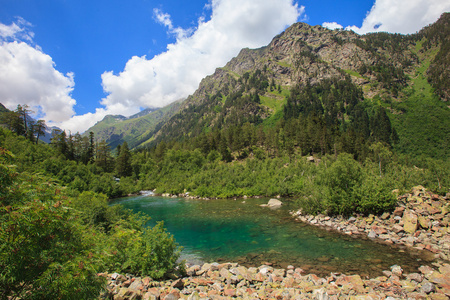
274	203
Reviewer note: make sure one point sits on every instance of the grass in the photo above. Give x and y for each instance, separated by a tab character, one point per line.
283	64
424	125
353	73
274	104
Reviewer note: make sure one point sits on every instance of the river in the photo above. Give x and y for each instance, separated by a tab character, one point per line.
243	231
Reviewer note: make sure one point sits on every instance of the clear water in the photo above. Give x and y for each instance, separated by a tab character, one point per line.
242	231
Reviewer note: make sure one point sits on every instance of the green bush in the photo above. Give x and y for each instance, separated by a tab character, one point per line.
54	240
45	253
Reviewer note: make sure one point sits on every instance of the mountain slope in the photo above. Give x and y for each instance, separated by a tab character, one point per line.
135	129
255	86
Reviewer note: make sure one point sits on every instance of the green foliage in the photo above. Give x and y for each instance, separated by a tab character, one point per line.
45	253
152	252
123	163
6	175
422	120
439	74
54	240
339	180
346	187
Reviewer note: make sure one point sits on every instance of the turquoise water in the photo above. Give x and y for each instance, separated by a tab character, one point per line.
242	231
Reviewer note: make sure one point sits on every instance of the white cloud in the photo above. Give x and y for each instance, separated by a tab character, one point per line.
176	73
164	19
16	31
332	25
402	16
28	76
81	123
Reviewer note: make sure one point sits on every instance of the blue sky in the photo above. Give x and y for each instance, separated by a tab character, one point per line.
74	61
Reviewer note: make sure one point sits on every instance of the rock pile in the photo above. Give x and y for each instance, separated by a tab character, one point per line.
229	280
421	220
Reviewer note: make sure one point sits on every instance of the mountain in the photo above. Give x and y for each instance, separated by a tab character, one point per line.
135	130
406	75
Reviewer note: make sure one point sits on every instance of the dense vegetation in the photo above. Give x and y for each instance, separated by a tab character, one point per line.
439	71
54	240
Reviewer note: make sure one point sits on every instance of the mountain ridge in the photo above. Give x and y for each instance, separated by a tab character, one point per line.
255	86
383	65
116	129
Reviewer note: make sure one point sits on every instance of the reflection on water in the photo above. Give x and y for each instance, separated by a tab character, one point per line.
242	231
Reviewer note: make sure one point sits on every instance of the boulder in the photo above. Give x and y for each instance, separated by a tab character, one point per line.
428	287
399	211
410	222
397	228
379	230
424	222
372	234
385	216
274	203
396	270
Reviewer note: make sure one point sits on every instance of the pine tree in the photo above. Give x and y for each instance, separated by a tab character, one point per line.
103	157
123	162
39	129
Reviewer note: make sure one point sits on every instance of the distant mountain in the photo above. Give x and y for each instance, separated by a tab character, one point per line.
135	130
143	113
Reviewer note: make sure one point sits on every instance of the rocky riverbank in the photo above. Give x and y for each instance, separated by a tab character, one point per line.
227	281
421	221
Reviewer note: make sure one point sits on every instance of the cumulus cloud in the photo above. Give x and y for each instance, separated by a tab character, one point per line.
332	25
401	16
28	76
176	73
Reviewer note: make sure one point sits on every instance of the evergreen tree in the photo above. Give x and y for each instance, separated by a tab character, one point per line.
23	112
13	122
30	132
87	150
123	162
381	127
70	148
103	157
39	129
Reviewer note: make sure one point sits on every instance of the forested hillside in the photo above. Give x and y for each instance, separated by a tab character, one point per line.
345	82
136	130
329	87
